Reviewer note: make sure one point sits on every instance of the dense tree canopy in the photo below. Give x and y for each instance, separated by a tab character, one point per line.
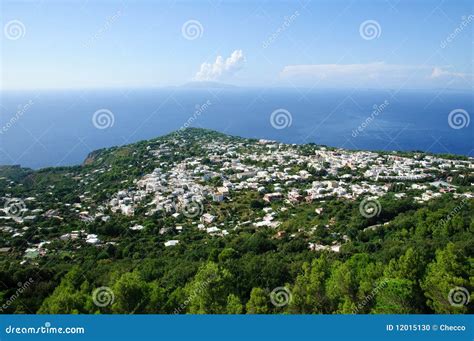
410	258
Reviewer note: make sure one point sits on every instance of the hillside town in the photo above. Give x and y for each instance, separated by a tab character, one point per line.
281	176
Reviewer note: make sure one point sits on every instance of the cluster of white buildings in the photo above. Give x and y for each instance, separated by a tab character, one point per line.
275	172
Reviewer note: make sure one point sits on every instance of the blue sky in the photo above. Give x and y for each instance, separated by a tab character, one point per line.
96	44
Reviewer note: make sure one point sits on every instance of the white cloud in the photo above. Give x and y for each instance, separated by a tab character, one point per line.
439	72
339	71
370	74
220	69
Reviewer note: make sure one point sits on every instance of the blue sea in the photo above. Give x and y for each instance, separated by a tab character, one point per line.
54	128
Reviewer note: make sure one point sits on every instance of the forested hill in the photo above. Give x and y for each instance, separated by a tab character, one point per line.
201	222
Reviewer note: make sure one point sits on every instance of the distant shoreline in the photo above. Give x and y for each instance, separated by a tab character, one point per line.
453	156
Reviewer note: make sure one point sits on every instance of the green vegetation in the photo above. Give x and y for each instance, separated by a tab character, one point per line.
410	263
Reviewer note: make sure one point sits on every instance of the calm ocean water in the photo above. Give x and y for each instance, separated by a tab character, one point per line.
51	128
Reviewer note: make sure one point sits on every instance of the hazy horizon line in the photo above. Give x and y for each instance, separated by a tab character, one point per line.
226	86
